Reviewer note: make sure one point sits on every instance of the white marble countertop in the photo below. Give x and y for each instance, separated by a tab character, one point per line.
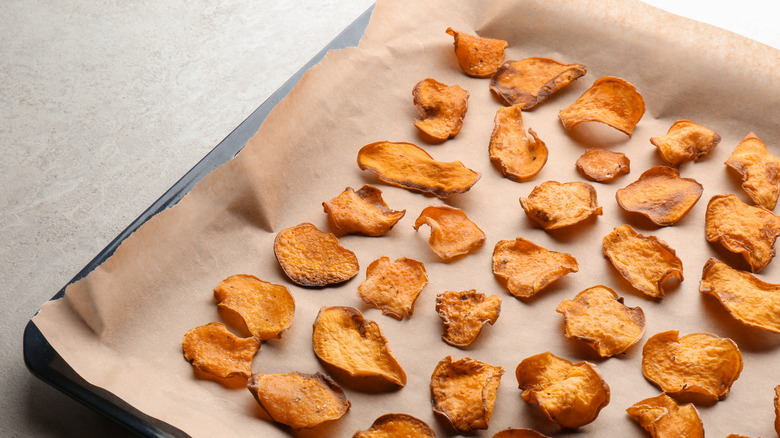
104	106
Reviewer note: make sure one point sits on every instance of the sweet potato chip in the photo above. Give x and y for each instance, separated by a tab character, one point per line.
664	418
571	395
699	365
310	257
598	317
465	314
213	349
759	169
532	80
453	234
393	287
556	205
742	229
396	425
645	261
464	392
267	309
602	165
477	57
610	100
685	141
661	195
361	212
777	409
440	109
525	268
299	400
408	166
519	433
519	157
345	340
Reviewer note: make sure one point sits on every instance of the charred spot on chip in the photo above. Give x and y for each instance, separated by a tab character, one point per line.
396	425
525	268
267	309
663	417
478	57
393	287
310	257
530	81
453	234
440	109
661	195
519	433
760	170
213	349
602	165
556	205
520	158
465	314
361	212
612	101
685	141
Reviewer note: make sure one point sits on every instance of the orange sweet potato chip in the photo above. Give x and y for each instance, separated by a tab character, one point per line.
602	165
464	392
777	409
520	158
465	314
396	425
440	109
759	169
685	141
525	268
408	166
571	395
213	349
477	57
532	80
453	234
610	100
664	418
361	212
310	257
393	287
556	205
267	309
519	433
661	195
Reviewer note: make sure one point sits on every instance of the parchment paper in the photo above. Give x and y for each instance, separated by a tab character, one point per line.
121	327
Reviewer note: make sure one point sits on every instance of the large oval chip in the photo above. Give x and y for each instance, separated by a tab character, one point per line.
478	57
310	257
440	109
664	418
610	100
556	205
525	268
453	234
267	309
520	158
465	314
361	212
213	349
532	80
602	165
396	425
661	195
759	169
519	433
393	287
685	141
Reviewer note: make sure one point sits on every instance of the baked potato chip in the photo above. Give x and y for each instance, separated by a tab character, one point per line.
310	257
345	340
440	109
612	101
478	57
777	409
299	400
520	158
602	165
409	166
598	317
525	268
556	205
685	141
453	234
465	314
396	426
699	365
532	80
464	392
213	349
267	309
759	169
519	433
664	418
571	395
661	195
742	229
393	287
361	212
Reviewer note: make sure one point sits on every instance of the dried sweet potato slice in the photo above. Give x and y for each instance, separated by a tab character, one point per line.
759	169
664	418
571	395
777	409
453	234
465	314
478	57
396	425
661	195
213	349
393	287
440	109
361	212
520	158
610	100
407	165
644	260
310	257
345	340
299	400
556	205
525	268
699	365
267	309
685	141
519	433
742	229
532	80
464	392
602	165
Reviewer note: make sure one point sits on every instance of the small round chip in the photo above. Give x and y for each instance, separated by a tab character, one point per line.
478	57
610	100
396	425
361	212
760	170
602	165
530	81
393	287
661	195
664	418
685	141
465	314
310	257
556	205
267	309
213	349
453	234
519	157
441	109
525	268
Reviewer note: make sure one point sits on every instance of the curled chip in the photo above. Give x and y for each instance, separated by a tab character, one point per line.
645	261
440	109
213	349
532	80
525	268
519	433
464	314
396	425
685	141
267	309
661	195
345	340
748	299
556	205
478	57
452	233
361	212
310	257
519	157
408	166
299	400
610	100
699	365
569	394
759	169
464	392
743	229
664	418
602	165
393	287
598	317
